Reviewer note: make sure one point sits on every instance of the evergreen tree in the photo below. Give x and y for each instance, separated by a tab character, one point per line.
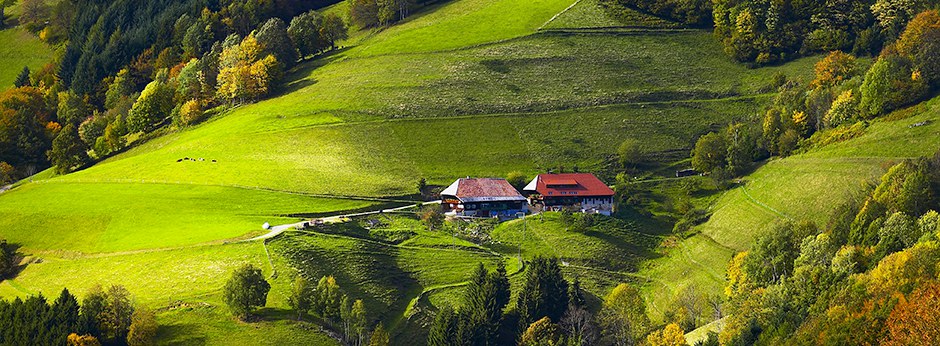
23	78
545	292
443	330
64	316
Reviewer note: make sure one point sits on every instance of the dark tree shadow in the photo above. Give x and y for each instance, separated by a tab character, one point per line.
181	334
17	264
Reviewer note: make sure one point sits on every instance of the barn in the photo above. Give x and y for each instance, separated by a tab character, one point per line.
582	191
482	197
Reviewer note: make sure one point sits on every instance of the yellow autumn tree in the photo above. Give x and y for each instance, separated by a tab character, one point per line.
672	335
244	74
834	69
737	277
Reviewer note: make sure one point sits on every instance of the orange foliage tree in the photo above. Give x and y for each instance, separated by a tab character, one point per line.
835	68
915	320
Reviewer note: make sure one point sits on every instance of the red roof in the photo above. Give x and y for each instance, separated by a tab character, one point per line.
483	189
570	184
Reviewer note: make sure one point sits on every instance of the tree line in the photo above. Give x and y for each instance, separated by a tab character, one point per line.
104	317
766	32
547	311
247	289
836	105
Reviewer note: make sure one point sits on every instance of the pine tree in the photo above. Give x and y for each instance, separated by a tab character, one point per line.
64	316
443	331
23	78
545	293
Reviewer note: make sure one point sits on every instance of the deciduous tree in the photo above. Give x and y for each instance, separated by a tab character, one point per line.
671	335
301	294
541	333
246	290
624	315
68	150
143	329
304	31
379	336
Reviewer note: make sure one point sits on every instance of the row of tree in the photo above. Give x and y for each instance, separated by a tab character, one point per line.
764	32
696	13
247	289
104	317
374	13
831	106
548	311
853	282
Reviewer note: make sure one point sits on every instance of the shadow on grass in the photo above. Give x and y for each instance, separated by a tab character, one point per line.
181	334
17	263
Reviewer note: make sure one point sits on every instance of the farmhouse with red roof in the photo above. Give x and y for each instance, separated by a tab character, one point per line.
580	190
482	197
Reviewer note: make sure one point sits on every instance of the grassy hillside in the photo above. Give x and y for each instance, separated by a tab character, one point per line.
801	187
403	272
467	87
104	217
20	48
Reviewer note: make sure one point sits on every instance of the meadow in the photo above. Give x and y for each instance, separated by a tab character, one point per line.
464	88
106	218
20	49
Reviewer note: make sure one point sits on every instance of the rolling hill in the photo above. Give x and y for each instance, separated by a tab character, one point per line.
543	85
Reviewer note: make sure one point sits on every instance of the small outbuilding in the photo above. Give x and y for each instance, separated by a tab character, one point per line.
482	197
582	191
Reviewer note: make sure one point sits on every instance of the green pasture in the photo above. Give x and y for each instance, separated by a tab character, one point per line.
588	14
457	24
106	217
20	48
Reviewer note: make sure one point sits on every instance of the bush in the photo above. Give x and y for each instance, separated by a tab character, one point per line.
630	153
